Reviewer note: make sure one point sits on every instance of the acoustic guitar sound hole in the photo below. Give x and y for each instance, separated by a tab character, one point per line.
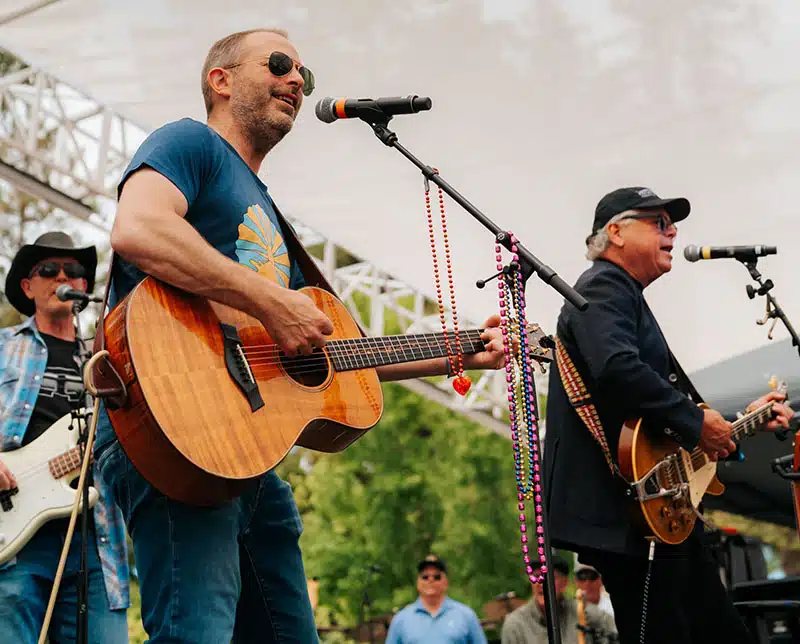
309	371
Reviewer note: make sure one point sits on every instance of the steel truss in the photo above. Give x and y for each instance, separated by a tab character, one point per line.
60	145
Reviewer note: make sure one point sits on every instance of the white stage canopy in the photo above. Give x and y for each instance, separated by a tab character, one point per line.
539	108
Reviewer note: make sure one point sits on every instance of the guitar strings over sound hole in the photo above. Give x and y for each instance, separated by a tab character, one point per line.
307	370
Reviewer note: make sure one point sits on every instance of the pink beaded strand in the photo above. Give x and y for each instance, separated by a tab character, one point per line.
524	428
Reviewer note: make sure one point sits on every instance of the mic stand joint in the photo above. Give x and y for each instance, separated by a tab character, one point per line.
774	311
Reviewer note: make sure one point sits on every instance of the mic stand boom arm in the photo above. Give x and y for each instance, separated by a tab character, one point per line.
529	263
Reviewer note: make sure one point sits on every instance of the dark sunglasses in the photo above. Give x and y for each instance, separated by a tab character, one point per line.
435	577
280	64
662	221
72	270
587	575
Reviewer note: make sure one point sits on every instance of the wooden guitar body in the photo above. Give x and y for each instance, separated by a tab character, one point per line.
189	428
671	519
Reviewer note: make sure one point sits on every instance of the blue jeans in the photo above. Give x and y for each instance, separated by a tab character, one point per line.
25	586
233	572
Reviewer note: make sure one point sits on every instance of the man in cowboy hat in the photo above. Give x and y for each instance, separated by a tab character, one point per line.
40	382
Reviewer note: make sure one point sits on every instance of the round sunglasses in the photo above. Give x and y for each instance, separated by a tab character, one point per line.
280	64
72	270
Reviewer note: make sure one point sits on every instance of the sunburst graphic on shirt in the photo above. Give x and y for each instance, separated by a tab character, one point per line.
261	247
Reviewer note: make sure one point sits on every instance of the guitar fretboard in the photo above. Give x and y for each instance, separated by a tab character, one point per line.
364	353
743	426
65	463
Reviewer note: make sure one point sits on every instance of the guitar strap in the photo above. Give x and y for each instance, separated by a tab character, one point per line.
581	401
311	273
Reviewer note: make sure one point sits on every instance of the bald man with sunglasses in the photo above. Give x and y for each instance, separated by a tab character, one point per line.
41	383
628	369
194	213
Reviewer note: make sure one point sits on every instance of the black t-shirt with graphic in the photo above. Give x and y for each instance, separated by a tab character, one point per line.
61	388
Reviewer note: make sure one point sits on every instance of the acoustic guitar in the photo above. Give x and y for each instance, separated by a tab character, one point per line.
213	403
668	483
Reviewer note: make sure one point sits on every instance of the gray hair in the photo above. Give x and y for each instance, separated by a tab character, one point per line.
598	243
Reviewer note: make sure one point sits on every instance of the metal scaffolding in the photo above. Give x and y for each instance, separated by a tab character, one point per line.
59	145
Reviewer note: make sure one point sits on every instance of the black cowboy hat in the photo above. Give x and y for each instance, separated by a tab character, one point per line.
47	245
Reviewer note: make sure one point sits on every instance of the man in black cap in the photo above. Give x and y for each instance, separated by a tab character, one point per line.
435	618
628	370
40	383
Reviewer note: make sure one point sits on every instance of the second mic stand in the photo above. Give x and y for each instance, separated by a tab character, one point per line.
774	311
83	418
528	265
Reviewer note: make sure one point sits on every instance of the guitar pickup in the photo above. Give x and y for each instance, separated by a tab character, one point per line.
239	368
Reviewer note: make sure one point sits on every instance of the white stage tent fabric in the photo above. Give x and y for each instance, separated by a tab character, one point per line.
539	108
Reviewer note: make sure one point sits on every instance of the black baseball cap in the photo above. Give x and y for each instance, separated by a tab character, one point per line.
639	198
433	561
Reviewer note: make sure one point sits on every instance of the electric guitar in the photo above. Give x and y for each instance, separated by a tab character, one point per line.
668	482
212	403
44	470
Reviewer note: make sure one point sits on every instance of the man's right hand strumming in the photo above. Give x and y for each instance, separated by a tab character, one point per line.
7	480
715	439
295	324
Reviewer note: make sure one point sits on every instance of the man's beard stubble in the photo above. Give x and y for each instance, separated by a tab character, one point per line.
263	131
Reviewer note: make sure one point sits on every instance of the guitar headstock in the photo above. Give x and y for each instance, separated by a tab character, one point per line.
779	386
540	344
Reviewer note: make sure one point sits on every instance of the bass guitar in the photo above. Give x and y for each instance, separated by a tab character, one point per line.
213	403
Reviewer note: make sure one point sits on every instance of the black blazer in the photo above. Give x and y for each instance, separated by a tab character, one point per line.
624	361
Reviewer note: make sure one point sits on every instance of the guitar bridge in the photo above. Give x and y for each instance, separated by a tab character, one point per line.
238	367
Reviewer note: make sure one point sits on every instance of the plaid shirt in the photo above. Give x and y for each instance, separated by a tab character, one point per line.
23	361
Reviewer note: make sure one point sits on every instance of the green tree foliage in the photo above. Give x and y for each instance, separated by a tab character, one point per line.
423	480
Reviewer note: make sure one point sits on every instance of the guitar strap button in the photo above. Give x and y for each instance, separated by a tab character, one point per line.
672	377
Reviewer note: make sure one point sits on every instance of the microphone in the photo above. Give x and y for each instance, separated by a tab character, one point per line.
742	253
66	294
370	110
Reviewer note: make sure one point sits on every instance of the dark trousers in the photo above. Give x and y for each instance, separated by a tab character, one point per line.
686	601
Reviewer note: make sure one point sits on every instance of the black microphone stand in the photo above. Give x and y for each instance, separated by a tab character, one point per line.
774	310
528	265
83	420
366	604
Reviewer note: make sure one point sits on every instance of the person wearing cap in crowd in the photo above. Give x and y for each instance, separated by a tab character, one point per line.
590	582
435	618
625	364
528	623
40	382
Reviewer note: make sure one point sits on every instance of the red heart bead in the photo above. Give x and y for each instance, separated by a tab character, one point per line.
462	385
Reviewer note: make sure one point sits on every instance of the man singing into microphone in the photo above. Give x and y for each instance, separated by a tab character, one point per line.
624	362
194	213
40	382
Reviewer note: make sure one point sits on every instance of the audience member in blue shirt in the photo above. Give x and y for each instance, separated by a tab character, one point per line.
435	618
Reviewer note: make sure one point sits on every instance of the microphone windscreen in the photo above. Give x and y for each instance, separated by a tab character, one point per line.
324	110
691	253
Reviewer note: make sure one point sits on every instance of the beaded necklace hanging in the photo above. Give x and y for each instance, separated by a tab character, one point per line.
521	405
455	359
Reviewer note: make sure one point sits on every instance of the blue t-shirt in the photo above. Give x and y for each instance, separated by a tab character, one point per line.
228	205
455	623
